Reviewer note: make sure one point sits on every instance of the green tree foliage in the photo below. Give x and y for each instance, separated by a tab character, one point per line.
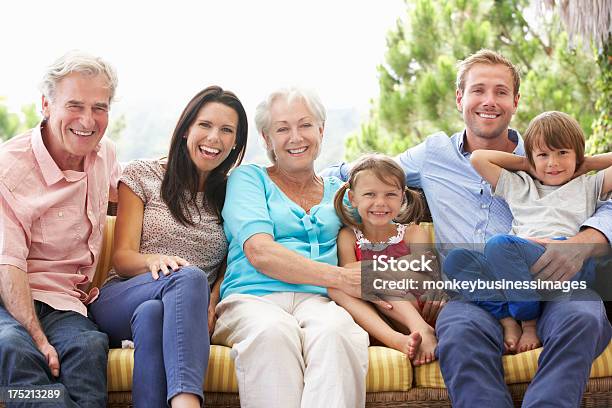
11	123
116	128
601	139
417	79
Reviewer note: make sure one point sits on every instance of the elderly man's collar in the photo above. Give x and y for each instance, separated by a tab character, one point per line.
50	170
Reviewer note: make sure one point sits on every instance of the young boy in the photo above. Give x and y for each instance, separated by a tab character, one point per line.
549	196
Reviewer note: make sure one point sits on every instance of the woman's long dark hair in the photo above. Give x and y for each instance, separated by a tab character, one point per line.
180	184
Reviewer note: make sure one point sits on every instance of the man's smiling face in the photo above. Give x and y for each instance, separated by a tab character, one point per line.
487	102
77	116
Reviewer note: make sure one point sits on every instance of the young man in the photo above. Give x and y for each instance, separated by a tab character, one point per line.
470	340
54	189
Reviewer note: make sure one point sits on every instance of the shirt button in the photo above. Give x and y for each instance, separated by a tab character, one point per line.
60	214
483	206
479	231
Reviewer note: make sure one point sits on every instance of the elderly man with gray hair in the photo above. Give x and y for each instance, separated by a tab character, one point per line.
54	188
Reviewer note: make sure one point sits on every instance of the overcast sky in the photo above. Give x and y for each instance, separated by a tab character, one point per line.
170	51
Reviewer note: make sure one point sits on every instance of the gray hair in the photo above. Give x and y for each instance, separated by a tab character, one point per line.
81	62
309	97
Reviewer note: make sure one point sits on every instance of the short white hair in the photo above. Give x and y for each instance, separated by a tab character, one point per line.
81	62
310	98
290	94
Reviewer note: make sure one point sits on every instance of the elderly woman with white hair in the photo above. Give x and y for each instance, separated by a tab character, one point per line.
292	345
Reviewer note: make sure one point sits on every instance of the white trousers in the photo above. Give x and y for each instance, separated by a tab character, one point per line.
294	350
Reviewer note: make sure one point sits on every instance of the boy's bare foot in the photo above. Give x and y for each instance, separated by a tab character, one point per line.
425	353
529	339
512	334
408	343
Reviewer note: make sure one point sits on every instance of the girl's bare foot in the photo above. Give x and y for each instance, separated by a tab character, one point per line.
512	334
407	343
529	339
425	353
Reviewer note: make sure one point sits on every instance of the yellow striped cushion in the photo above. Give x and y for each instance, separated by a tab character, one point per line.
518	368
602	366
220	377
104	262
221	374
119	369
389	370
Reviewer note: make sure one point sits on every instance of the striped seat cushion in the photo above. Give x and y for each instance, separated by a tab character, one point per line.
389	370
518	368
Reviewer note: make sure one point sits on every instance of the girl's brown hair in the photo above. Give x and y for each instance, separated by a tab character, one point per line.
554	130
390	173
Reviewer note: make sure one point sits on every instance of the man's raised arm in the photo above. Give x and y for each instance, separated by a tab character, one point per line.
411	161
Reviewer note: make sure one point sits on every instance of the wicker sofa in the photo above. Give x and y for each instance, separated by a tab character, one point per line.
391	380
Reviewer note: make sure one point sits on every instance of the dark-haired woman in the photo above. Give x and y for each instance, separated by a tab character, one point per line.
169	250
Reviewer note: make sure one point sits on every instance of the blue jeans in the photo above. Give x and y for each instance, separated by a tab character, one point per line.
574	330
81	348
505	257
168	321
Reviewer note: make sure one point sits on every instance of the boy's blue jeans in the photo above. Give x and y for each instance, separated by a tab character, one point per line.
505	257
168	321
81	348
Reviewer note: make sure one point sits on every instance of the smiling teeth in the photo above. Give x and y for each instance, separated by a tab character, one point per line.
209	150
82	133
298	151
484	115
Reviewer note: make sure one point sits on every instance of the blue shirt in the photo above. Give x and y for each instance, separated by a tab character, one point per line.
253	205
460	200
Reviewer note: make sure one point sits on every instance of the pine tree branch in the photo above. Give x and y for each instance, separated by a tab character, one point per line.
523	23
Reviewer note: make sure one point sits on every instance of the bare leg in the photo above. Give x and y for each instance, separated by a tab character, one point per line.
512	334
366	316
529	339
185	400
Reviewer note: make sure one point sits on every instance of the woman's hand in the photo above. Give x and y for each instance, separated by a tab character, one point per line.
350	278
161	262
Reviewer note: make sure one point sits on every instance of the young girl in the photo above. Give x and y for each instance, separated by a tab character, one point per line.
549	198
389	214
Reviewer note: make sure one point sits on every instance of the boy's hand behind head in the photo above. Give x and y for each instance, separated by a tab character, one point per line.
584	167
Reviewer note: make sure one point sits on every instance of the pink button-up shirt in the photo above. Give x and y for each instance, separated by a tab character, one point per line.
52	221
